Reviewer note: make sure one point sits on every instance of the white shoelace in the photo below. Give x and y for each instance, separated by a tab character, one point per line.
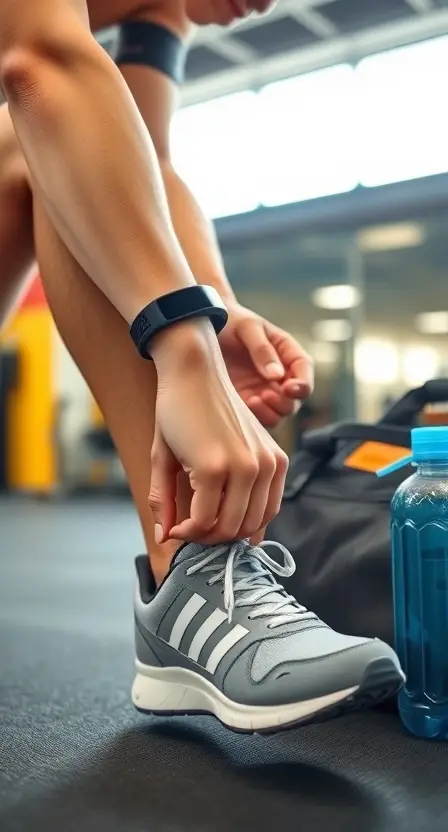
259	588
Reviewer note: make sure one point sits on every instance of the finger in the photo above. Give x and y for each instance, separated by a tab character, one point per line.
234	504
293	389
184	496
282	405
259	498
261	350
162	494
301	371
298	364
208	489
276	491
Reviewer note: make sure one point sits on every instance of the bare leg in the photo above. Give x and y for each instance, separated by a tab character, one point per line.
16	218
94	332
123	385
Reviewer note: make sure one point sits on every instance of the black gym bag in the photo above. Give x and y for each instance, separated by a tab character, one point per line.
334	517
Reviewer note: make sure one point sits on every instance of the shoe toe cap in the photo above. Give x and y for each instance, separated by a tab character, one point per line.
293	678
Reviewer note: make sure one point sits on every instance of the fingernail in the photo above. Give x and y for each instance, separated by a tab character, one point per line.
274	370
158	533
296	388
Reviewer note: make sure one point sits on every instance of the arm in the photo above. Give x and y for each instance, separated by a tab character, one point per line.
256	353
91	159
156	98
92	163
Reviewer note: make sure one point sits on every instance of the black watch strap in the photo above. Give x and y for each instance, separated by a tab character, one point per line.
182	305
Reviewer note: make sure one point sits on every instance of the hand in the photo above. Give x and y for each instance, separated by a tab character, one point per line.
236	470
270	370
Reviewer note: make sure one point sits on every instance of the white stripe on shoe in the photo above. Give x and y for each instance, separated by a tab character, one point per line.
222	648
185	617
205	631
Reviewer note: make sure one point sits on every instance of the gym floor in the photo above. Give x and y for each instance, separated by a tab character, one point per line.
74	756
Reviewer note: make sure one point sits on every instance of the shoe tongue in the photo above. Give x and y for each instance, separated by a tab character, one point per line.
191	550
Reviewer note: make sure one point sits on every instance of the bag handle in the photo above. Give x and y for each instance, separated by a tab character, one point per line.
405	411
320	445
323	440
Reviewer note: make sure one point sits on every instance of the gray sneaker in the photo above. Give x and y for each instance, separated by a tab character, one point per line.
222	637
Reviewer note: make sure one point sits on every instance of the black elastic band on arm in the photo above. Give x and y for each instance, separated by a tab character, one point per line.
148	44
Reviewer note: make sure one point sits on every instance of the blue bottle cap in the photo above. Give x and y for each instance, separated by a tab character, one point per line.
428	445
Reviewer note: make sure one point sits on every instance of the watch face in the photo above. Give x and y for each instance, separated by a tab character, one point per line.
185	301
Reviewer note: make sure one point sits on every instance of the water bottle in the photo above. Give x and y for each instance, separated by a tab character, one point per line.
419	538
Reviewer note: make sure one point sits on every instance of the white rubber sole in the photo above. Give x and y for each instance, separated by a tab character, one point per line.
175	691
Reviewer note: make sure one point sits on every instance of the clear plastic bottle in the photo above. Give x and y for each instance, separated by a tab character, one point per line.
419	536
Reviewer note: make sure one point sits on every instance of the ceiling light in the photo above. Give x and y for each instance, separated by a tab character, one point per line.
323	352
432	323
376	361
342	296
389	237
332	330
420	364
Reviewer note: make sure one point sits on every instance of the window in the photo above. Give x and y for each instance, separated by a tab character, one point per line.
213	148
402	113
307	142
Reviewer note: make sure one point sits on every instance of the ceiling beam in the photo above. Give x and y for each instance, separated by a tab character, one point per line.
316	22
234	50
342	49
421	6
284	8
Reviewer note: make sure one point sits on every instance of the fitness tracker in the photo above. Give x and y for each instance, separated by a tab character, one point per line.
182	305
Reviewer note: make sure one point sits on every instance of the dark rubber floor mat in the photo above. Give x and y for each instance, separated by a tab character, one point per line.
76	757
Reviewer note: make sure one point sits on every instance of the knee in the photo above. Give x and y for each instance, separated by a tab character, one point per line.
28	52
17	69
20	42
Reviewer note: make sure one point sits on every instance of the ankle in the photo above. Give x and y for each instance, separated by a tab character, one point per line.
160	557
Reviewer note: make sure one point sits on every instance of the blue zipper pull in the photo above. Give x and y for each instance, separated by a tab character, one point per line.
400	463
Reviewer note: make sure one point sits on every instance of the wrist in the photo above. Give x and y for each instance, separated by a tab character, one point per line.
222	287
191	344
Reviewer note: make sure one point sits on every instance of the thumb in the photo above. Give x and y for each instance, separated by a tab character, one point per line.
263	354
162	495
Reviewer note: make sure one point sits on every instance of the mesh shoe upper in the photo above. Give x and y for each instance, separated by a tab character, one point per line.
221	613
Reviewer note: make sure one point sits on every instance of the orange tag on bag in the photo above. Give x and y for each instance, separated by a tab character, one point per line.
371	456
434	414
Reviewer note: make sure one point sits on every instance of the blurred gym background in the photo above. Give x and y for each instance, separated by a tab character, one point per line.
317	140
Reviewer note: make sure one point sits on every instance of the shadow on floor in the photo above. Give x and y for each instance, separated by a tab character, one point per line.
170	777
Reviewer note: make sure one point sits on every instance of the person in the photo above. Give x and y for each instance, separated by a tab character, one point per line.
87	187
